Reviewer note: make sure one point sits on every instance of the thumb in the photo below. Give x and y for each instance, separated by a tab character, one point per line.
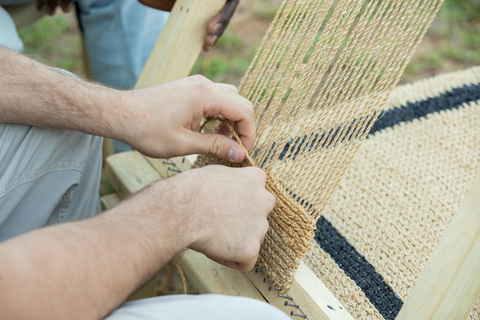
216	145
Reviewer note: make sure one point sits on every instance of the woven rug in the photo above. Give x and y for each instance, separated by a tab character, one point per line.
396	199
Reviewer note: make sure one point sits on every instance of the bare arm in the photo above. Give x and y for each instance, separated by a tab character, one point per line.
83	270
158	121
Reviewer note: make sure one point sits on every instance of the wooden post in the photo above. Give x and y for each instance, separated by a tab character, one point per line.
180	43
450	283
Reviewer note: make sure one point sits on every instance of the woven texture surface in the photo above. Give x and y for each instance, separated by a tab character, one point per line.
319	80
400	192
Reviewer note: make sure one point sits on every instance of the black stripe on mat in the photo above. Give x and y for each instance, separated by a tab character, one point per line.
452	99
355	265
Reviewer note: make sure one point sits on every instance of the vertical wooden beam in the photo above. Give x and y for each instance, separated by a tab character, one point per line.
180	42
450	283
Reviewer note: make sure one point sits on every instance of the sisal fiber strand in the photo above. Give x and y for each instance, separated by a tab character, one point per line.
318	82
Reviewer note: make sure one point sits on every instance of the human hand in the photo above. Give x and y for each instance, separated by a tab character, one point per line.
227	212
160	121
219	23
50	6
215	27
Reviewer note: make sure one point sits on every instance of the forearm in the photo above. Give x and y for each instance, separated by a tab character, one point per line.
37	95
84	270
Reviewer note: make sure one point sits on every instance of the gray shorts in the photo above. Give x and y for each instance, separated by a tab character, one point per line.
46	177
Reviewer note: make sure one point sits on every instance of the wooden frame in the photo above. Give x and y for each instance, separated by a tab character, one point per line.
129	172
448	287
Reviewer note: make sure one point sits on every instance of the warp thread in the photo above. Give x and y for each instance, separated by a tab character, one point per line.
291	227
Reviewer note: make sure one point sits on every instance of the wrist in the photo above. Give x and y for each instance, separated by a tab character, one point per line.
157	216
126	117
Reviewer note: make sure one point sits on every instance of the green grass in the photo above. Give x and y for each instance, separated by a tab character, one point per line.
264	9
54	41
453	42
454	38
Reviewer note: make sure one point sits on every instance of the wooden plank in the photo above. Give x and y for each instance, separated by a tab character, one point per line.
169	167
110	201
129	172
208	276
180	42
450	283
307	296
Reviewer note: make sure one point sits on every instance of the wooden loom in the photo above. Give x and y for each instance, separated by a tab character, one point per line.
447	288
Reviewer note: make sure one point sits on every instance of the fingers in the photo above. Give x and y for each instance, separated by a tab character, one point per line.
216	145
50	6
234	107
227	87
67	5
219	23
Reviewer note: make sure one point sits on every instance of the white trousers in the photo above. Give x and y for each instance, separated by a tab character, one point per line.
201	307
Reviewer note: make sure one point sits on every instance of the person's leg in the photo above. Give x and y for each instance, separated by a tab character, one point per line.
119	36
8	33
46	177
198	307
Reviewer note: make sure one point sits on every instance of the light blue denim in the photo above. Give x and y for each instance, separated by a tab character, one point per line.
119	36
8	33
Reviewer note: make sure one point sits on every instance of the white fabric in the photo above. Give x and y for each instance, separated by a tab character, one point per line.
199	307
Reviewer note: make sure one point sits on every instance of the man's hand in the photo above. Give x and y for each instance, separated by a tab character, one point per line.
215	27
160	121
87	268
50	6
227	210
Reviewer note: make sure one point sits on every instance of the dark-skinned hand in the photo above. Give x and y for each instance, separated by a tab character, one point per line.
215	27
50	6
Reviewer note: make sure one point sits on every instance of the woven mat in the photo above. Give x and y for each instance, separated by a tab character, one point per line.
399	194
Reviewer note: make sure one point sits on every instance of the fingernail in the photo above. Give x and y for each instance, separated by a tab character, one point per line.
233	154
216	27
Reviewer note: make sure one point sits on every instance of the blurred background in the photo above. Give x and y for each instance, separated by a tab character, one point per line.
452	42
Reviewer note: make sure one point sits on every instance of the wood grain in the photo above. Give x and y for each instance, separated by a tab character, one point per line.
450	283
180	42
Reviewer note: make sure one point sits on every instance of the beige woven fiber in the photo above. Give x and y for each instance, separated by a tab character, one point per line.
319	80
399	194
